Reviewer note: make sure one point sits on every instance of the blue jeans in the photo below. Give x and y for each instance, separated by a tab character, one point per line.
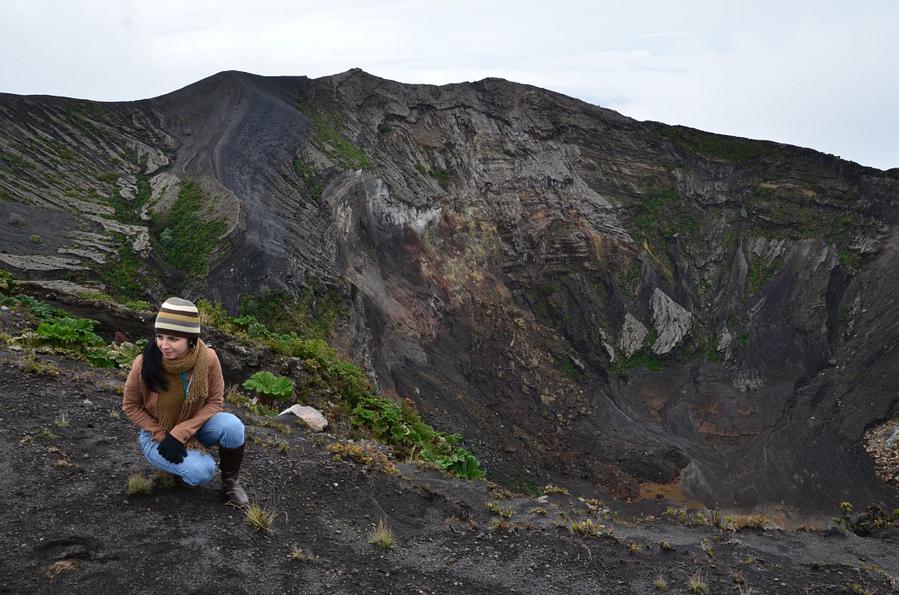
224	429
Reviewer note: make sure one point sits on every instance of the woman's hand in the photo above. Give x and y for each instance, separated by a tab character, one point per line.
172	450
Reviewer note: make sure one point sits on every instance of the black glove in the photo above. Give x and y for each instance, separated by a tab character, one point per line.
172	450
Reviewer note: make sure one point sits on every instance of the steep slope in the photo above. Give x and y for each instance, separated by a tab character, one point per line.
645	308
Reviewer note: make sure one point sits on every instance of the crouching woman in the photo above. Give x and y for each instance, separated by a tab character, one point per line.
174	394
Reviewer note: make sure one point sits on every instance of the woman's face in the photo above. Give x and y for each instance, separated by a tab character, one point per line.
171	347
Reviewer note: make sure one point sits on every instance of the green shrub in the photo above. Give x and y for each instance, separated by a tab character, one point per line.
122	275
68	332
40	310
7	283
192	237
410	436
124	353
329	140
442	177
312	186
35	239
270	387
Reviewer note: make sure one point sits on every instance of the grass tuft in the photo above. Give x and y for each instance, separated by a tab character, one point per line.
697	584
59	567
138	483
260	517
382	536
298	555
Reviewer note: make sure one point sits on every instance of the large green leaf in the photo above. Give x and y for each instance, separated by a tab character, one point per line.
270	385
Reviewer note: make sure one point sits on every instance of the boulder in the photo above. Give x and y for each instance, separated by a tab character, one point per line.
311	416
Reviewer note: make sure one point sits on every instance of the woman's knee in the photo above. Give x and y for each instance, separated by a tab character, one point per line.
232	431
197	470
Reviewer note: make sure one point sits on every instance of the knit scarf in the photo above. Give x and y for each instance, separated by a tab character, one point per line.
188	386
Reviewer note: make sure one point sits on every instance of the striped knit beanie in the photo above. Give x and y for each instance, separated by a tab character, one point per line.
179	318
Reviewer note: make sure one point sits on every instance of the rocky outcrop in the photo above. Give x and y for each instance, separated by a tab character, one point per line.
632	335
671	322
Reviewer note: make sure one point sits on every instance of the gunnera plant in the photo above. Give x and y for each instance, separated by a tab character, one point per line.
269	387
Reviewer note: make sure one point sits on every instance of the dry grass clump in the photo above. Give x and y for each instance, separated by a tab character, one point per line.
65	463
57	568
382	536
498	510
113	387
366	454
298	555
697	584
660	584
138	483
260	517
587	528
39	367
554	489
47	434
61	420
747	521
279	427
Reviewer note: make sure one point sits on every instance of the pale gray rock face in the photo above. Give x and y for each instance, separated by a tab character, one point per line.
35	262
163	193
632	335
139	235
671	322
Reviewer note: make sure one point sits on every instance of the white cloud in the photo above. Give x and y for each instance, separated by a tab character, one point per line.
816	74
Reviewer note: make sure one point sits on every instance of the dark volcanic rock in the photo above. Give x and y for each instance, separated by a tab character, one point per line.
644	307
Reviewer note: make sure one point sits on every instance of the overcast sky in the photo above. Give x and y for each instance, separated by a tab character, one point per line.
821	74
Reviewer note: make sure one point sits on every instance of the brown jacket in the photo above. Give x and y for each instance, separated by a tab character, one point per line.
140	403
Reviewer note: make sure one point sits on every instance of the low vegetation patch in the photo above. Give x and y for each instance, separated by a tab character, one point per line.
327	137
187	233
716	146
270	388
587	528
34	365
697	584
56	331
123	276
498	510
365	454
310	184
138	483
260	517
382	536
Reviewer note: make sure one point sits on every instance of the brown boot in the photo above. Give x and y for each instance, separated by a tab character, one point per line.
230	459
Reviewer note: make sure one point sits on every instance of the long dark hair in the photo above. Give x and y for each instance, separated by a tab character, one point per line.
151	367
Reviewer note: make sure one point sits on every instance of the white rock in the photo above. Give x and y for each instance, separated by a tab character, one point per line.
632	335
724	340
311	416
671	320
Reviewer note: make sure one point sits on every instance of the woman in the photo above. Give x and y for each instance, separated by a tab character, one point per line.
174	394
